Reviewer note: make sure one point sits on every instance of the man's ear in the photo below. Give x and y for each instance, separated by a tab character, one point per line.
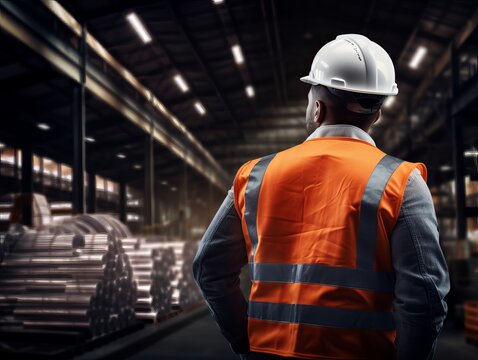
319	113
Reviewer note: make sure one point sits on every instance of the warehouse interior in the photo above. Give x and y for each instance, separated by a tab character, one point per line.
124	122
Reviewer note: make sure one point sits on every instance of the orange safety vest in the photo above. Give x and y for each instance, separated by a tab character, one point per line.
317	219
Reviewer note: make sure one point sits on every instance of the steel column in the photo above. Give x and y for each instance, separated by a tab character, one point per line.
16	167
122	201
148	181
78	180
27	184
458	153
91	192
184	227
42	178
459	167
408	130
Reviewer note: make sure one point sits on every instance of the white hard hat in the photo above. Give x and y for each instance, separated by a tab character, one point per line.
354	63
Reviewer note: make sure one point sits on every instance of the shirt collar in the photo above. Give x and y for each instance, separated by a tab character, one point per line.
341	130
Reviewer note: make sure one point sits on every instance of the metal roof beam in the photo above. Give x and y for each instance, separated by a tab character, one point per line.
272	58
436	70
158	130
184	29
229	29
65	58
113	8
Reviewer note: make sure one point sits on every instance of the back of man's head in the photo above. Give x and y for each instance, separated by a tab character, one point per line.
350	76
345	107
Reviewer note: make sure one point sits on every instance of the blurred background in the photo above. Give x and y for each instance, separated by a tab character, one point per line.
122	126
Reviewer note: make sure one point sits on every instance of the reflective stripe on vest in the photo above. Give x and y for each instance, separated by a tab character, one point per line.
321	316
252	198
361	277
367	229
323	275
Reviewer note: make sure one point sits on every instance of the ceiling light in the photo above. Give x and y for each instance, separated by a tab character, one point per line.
237	53
471	153
217	2
2	145
181	83
200	108
250	91
121	156
417	57
445	168
137	166
173	188
43	126
139	27
89	139
389	101
164	182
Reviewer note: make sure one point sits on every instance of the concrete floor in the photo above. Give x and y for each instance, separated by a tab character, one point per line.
202	340
452	345
199	340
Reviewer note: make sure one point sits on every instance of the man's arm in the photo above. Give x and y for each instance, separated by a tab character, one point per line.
421	274
217	266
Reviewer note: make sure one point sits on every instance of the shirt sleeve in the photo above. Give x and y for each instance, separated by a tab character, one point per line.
422	280
217	266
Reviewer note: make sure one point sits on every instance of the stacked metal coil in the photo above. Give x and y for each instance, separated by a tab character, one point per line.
8	240
153	271
92	224
162	279
67	282
186	292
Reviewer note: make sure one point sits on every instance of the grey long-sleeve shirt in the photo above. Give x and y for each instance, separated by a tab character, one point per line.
420	268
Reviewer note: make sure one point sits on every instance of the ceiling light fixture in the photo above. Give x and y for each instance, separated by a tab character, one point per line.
179	80
417	57
217	2
173	188
137	166
250	91
89	139
121	156
43	126
237	53
200	108
471	153
2	145
445	168
164	182
139	27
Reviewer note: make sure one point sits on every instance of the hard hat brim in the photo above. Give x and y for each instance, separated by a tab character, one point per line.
310	80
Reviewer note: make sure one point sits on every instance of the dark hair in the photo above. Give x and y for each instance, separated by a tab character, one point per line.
338	107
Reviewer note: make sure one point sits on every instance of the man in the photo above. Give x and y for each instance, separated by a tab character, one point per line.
341	239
